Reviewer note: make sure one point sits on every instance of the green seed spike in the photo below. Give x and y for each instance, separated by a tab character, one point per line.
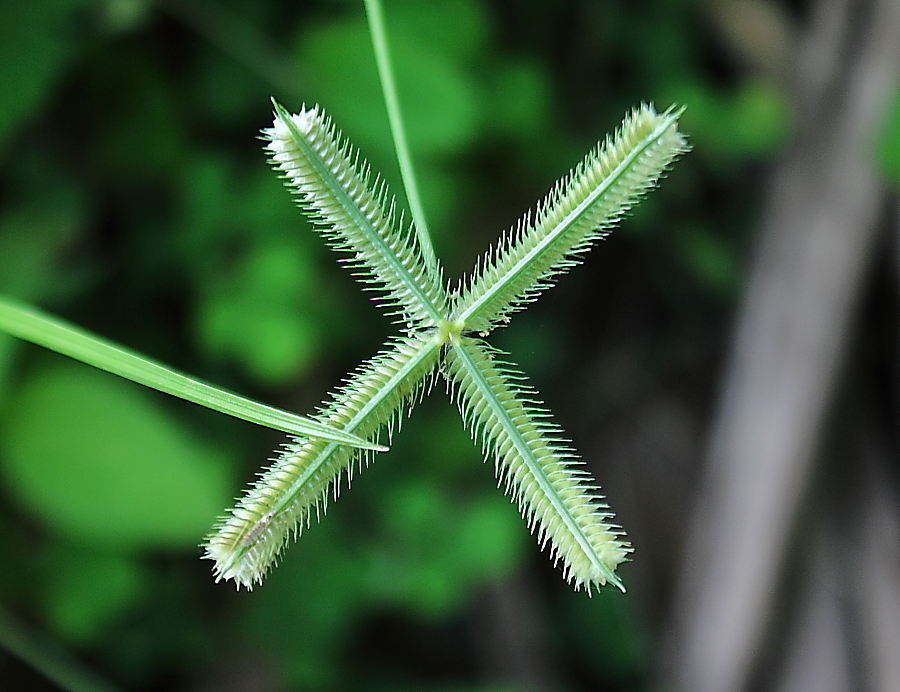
536	465
333	185
295	488
580	209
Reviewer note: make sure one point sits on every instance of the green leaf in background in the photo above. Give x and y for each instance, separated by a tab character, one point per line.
439	100
88	590
259	298
709	257
753	121
320	590
516	100
605	633
455	93
96	459
424	562
35	45
258	316
457	29
33	234
435	82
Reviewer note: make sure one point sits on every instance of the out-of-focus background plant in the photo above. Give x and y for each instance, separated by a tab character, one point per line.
726	362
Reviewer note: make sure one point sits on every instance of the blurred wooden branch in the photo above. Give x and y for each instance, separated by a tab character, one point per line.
817	653
814	250
511	637
878	589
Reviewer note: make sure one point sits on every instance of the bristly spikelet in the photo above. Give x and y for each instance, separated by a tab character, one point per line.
333	186
536	465
580	209
246	542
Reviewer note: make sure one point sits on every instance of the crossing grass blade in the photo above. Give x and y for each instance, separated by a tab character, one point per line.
39	328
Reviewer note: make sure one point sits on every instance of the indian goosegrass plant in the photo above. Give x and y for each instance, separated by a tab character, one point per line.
442	335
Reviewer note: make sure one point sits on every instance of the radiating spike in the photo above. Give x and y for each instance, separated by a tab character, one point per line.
247	541
574	521
604	186
383	249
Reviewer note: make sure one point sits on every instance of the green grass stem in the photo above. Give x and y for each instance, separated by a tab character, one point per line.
398	132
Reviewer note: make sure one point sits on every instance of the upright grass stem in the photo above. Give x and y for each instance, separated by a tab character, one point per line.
398	132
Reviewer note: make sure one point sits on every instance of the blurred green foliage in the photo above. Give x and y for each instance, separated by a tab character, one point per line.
135	201
100	463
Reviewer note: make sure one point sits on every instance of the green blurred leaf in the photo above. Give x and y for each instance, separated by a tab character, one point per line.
517	100
124	15
33	235
438	100
709	258
35	44
429	563
457	29
258	315
259	293
490	540
604	633
762	118
752	121
99	460
316	590
135	110
88	590
228	91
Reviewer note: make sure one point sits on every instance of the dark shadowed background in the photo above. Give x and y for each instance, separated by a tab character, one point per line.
726	362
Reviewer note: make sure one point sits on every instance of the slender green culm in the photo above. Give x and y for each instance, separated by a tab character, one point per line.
398	132
39	328
534	462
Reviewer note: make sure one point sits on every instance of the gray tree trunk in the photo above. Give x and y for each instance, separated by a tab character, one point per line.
815	244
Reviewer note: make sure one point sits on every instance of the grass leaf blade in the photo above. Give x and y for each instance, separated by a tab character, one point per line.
398	132
40	328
